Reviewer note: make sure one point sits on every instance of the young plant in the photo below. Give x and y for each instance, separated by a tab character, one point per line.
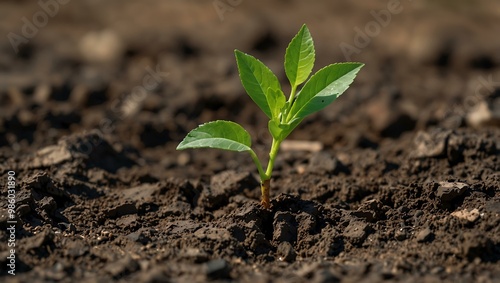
284	114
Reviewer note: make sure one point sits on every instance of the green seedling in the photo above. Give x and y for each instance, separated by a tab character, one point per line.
284	114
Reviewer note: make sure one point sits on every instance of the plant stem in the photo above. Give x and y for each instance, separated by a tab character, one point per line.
265	179
275	146
292	94
255	159
265	183
264	188
290	103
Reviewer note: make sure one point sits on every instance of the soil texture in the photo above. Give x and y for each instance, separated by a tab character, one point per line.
397	181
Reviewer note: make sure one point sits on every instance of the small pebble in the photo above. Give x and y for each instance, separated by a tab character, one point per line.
424	235
470	216
401	234
286	252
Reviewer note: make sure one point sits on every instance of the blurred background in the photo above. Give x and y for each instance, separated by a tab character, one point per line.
143	73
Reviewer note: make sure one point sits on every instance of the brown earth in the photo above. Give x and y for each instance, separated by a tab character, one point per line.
399	179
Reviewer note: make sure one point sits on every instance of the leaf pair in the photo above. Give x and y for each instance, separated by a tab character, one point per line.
262	85
323	87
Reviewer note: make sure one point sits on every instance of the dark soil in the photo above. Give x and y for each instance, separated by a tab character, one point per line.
399	179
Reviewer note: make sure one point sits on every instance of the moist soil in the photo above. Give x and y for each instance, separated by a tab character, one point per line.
398	180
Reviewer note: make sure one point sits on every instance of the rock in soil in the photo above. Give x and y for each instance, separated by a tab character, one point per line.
286	252
424	235
356	232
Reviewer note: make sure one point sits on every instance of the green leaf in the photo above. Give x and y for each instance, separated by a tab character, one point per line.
323	88
274	129
299	57
281	131
218	134
276	100
293	124
257	79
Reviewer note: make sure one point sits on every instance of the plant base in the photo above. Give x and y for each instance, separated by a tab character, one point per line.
264	187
